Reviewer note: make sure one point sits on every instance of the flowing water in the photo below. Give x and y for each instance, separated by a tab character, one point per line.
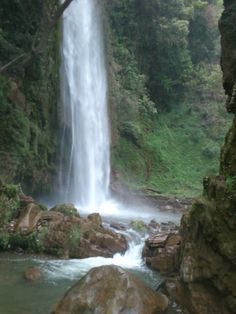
85	174
17	296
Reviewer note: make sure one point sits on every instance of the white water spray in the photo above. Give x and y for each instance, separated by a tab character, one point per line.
85	169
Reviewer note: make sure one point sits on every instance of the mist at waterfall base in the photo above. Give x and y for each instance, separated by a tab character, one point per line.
85	152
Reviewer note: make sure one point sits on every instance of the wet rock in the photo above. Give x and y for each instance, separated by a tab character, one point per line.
25	199
32	274
61	232
197	298
161	252
95	218
208	259
97	293
78	237
117	226
153	225
168	227
29	218
51	216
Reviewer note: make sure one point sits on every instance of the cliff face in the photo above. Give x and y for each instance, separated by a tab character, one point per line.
28	97
228	63
207	282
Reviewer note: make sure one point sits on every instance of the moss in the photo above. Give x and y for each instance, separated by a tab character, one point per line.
74	238
28	123
9	203
138	225
4	240
66	209
28	243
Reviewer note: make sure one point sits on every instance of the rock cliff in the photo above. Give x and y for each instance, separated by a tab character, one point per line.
207	282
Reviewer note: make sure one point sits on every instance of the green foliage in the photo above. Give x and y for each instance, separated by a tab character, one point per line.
231	184
28	243
74	238
66	209
183	148
9	203
169	40
11	190
4	240
164	58
28	97
138	225
32	243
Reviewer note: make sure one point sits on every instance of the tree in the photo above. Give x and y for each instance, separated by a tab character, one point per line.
40	39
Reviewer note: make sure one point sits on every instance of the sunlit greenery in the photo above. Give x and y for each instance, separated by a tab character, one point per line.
167	92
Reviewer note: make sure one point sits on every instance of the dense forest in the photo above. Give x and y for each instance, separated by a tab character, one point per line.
170	66
165	94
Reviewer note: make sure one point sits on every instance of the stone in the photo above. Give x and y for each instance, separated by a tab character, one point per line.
32	274
96	293
117	226
29	218
78	237
154	225
161	252
95	218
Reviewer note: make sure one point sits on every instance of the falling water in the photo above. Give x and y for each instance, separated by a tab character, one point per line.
85	167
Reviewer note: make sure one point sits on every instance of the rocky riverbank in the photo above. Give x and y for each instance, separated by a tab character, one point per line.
28	226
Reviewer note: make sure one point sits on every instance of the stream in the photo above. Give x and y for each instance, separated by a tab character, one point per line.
19	296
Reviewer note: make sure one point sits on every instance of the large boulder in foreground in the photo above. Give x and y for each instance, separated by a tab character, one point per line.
111	289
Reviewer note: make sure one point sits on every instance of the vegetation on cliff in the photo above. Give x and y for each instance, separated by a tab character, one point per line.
28	97
208	251
165	92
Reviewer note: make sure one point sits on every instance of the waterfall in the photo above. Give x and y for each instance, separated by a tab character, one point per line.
85	161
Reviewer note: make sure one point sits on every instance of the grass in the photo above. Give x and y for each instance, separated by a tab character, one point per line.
183	148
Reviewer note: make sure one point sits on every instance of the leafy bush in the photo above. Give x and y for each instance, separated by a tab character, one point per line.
4	240
9	203
138	225
74	238
29	243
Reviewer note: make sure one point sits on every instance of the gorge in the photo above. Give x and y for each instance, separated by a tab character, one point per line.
130	73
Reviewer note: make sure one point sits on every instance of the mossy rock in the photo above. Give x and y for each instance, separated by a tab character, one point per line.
66	209
138	225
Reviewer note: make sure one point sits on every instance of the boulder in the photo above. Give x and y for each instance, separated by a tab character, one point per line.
78	237
61	232
29	218
161	252
117	226
97	293
32	273
95	218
